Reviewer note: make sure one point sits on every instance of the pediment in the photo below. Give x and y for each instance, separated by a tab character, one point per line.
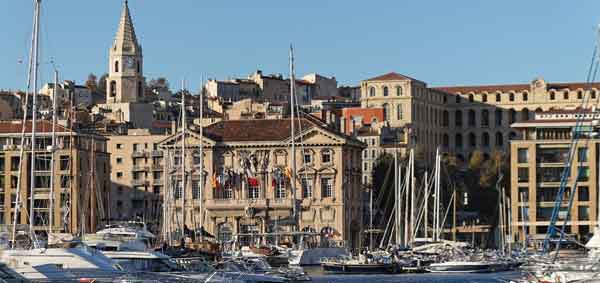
191	139
318	136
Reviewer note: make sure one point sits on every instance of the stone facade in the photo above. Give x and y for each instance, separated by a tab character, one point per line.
328	179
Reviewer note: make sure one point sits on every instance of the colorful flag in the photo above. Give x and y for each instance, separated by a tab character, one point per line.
252	181
288	172
215	181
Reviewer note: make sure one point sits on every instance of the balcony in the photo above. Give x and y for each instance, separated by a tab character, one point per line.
139	183
138	168
138	153
234	204
157	153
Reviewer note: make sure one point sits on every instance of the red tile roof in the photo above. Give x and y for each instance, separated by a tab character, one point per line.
392	76
41	126
254	130
484	88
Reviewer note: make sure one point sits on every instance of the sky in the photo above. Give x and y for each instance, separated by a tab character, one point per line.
443	43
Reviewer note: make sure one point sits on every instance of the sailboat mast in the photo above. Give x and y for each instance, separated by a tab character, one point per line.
397	196
23	129
292	107
183	175
426	204
52	151
412	196
34	117
201	186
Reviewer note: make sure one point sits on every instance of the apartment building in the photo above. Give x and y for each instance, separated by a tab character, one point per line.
81	178
247	188
137	176
537	163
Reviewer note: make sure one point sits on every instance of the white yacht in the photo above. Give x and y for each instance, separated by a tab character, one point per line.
58	264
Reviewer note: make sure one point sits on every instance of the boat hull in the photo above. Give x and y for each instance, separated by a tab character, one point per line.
469	268
336	267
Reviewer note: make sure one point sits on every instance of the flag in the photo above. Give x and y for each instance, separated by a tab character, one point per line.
252	181
215	181
288	172
274	183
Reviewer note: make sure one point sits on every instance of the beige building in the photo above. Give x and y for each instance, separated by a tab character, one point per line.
247	190
81	181
537	163
137	176
272	88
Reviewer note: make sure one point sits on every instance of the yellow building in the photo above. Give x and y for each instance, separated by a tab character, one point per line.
246	185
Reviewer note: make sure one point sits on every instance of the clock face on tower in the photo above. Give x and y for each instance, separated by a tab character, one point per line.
130	63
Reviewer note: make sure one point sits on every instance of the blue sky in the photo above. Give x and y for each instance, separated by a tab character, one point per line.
439	42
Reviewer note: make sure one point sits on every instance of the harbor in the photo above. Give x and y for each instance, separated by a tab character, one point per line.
271	179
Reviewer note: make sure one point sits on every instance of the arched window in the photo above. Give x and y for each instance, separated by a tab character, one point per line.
385	91
498	117
511	96
458	141
445	118
471	98
593	94
484	98
499	139
472	140
485	118
117	66
471	118
458	118
552	95
525	96
580	94
445	99
566	95
512	115
457	98
398	91
498	97
445	140
525	114
113	88
140	89
485	139
386	111
371	91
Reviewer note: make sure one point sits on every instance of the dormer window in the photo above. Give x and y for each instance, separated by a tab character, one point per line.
566	95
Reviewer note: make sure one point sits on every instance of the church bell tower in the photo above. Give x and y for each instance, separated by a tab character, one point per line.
125	82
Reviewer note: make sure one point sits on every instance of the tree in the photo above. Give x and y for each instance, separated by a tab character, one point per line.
91	83
159	84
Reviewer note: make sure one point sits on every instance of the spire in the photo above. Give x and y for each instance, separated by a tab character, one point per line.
126	33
